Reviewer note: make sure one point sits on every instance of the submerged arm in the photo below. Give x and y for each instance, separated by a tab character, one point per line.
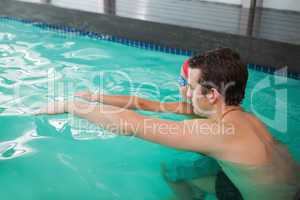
185	135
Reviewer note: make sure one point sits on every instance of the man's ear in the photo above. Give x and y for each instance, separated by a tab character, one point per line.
213	95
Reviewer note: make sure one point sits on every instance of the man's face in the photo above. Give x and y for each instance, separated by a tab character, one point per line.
201	105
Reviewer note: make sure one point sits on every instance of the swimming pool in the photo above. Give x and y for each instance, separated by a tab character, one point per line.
58	157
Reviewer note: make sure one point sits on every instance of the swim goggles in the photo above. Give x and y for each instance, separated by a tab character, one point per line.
182	81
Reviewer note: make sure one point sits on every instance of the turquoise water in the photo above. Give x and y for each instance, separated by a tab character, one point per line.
59	157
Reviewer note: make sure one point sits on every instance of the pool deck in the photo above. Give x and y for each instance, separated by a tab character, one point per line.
270	37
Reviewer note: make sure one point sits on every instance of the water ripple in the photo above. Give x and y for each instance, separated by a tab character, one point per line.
87	54
7	36
83	130
16	148
65	45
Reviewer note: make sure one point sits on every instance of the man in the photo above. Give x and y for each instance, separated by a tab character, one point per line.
254	165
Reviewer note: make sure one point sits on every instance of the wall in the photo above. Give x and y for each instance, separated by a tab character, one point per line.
86	5
196	14
238	2
293	5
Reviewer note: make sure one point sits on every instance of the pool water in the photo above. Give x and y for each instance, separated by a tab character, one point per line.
59	157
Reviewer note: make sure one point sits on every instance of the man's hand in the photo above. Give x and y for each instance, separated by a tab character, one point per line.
57	107
89	96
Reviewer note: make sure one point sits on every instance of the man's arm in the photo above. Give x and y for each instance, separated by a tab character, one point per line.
134	102
192	135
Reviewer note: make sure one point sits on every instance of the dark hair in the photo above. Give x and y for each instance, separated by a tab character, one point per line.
223	70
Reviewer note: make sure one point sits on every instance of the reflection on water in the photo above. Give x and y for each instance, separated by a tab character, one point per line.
18	147
83	130
58	123
87	54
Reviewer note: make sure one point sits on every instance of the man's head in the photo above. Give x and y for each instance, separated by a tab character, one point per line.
216	77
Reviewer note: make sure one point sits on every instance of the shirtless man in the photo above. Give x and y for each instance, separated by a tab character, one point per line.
254	165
